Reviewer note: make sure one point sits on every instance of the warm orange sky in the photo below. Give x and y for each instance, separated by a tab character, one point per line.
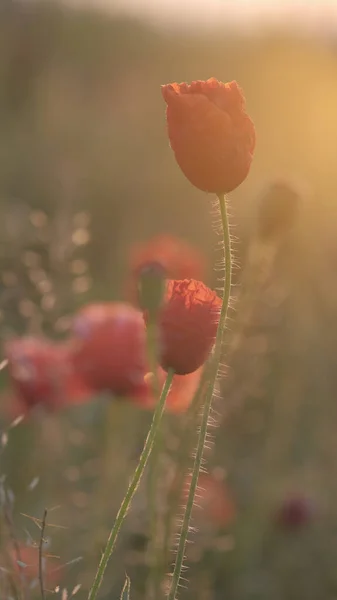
312	13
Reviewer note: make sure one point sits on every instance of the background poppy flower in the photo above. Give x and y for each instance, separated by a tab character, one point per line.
187	325
109	350
295	512
177	258
210	133
28	564
181	392
41	372
213	500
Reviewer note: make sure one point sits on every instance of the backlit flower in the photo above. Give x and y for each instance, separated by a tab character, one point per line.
187	325
109	350
210	133
166	255
41	372
178	259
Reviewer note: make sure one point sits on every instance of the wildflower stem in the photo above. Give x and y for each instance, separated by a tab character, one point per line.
43	527
152	355
123	510
154	468
213	371
183	459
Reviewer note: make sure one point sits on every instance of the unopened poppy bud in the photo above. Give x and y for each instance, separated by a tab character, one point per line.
211	135
295	512
151	289
278	210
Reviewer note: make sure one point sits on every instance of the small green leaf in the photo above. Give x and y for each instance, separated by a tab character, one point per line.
125	595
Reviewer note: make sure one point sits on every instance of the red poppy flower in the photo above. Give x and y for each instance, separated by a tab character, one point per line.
168	257
211	135
188	323
181	392
28	565
41	372
295	512
109	349
213	500
177	258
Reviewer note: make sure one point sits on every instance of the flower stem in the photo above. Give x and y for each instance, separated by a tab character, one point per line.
183	459
152	355
132	488
215	361
153	481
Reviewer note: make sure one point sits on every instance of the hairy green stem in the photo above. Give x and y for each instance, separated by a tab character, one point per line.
158	413
153	481
183	458
208	402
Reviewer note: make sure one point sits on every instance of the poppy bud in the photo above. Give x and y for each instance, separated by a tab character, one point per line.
295	512
151	289
278	210
176	258
188	323
211	135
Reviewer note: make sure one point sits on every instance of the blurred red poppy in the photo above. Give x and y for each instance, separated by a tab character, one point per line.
181	392
295	512
176	258
109	348
187	325
213	500
25	561
211	135
41	372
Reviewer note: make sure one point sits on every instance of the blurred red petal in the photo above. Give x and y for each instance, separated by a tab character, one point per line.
214	500
181	392
188	324
177	258
109	349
